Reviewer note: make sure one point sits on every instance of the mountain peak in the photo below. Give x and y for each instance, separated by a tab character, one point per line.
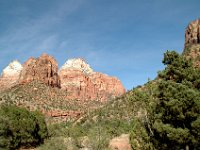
192	33
43	68
12	69
78	64
75	76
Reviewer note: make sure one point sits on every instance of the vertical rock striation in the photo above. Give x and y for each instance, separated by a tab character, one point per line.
81	82
192	33
44	69
192	42
75	76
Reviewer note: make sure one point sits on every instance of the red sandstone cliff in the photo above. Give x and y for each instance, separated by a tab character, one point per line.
81	82
108	87
75	76
192	42
192	33
44	68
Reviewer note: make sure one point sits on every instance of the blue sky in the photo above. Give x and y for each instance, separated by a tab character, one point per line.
122	38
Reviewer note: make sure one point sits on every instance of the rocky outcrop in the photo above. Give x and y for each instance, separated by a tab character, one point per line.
192	42
44	68
63	115
107	86
192	33
10	75
81	82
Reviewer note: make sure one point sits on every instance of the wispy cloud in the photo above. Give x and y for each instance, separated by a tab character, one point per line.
39	32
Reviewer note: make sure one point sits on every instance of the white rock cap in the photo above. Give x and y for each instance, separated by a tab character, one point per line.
14	68
79	64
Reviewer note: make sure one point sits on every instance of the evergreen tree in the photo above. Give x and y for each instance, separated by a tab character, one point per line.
177	114
20	127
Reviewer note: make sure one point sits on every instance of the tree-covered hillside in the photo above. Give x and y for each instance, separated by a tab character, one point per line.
162	114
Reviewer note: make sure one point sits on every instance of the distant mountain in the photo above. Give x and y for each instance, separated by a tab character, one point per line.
65	93
10	75
81	82
75	77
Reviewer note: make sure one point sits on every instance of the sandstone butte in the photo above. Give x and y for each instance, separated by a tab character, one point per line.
192	42
44	68
81	82
75	76
192	33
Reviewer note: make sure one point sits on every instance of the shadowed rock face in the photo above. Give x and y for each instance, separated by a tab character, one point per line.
192	33
44	68
81	82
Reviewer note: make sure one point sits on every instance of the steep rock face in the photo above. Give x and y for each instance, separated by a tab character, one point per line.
75	80
77	84
10	74
192	33
81	82
193	52
44	68
108	87
75	76
192	42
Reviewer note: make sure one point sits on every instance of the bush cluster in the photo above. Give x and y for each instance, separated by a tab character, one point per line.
21	128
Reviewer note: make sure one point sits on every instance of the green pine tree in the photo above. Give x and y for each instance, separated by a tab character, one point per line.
177	115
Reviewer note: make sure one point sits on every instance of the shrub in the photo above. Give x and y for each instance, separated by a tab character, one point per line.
57	143
139	136
20	127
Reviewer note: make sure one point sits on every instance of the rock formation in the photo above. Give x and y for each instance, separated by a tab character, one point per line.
44	68
81	82
10	74
192	33
75	76
108	87
75	80
192	42
77	64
